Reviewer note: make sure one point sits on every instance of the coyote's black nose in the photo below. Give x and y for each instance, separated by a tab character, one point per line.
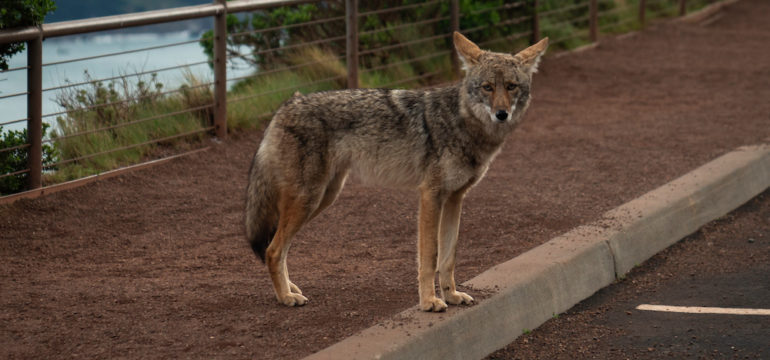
501	115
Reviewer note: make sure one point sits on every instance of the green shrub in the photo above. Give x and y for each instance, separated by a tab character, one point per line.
106	125
20	13
17	159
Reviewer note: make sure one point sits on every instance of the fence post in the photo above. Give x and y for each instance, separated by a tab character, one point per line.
351	26
682	7
535	23
593	21
220	71
35	111
455	20
642	8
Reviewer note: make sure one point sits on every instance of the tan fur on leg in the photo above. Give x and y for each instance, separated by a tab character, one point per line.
450	224
294	288
427	250
332	191
292	216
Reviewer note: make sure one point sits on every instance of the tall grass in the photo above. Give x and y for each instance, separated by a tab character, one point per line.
619	16
108	125
252	102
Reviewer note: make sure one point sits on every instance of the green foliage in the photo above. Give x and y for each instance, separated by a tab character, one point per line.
479	16
249	31
108	124
617	18
252	101
16	160
264	30
20	13
566	22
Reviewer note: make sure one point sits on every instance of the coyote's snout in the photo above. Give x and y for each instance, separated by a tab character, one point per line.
439	141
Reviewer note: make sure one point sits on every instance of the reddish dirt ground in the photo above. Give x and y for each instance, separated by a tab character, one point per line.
153	264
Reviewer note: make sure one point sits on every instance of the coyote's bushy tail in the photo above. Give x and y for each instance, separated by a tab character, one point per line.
261	209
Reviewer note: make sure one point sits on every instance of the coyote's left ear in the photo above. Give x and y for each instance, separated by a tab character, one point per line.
468	51
530	57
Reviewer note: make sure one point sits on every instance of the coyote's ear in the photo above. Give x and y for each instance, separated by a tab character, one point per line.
468	51
530	56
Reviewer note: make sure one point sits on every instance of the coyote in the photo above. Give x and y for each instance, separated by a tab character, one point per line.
439	141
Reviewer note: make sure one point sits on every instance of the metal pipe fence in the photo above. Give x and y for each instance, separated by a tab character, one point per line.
343	44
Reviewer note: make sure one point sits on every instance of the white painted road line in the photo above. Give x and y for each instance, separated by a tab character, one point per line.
703	310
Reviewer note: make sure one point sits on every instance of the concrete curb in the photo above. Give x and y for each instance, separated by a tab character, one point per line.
553	277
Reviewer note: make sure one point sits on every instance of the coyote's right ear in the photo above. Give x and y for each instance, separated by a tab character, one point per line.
468	51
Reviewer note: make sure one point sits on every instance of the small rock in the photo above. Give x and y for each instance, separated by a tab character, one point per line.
751	240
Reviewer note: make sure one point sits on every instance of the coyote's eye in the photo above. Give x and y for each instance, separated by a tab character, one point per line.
487	87
510	87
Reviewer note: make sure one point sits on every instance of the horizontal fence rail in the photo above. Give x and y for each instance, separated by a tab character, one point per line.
341	44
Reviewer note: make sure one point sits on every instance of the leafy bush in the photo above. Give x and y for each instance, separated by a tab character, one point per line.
19	13
112	124
17	159
107	104
242	29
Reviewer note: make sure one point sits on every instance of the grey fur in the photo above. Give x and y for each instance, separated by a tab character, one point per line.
439	140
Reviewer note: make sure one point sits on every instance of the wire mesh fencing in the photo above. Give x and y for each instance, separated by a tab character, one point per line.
100	122
261	53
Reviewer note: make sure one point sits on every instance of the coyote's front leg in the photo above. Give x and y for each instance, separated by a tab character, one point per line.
450	225
427	249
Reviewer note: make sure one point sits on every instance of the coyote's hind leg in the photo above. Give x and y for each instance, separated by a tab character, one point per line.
333	189
294	212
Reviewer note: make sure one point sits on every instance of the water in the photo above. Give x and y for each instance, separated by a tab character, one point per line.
62	49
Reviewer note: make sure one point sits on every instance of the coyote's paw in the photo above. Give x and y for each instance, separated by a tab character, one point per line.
433	304
293	299
294	288
459	297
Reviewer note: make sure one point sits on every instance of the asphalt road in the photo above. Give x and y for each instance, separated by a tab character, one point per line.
726	265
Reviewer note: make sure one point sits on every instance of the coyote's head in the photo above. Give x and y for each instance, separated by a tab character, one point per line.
496	85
